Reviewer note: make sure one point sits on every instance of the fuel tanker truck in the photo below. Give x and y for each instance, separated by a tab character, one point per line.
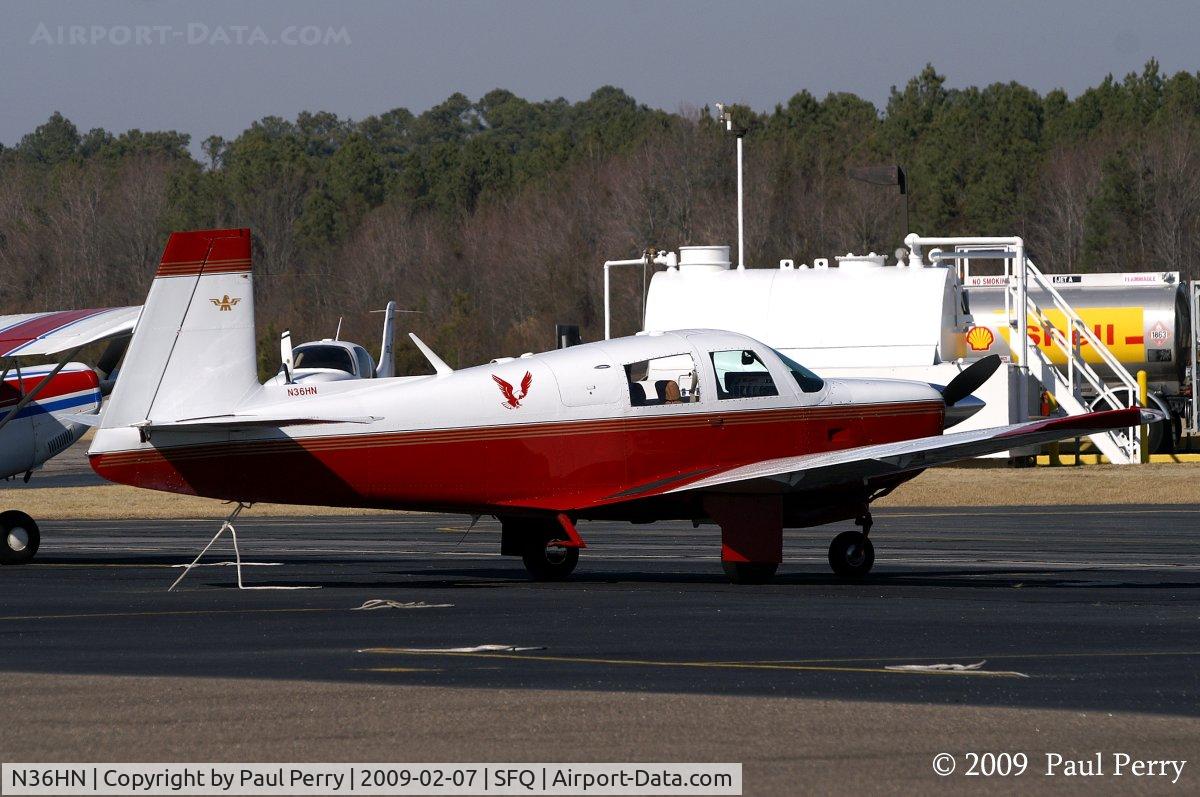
859	316
1143	318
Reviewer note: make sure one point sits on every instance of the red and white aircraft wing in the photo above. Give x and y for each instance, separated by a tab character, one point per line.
889	459
40	334
864	464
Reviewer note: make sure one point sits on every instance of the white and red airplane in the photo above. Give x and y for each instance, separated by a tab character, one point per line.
698	425
40	404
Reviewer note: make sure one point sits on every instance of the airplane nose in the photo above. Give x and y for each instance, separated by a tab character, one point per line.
962	409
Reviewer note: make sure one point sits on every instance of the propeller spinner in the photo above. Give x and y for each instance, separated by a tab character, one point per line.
960	404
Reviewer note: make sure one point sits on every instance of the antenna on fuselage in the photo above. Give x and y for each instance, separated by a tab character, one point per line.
438	363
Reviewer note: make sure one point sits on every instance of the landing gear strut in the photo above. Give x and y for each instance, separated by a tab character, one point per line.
851	553
19	538
549	547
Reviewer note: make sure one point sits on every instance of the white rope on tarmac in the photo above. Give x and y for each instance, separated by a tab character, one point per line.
954	669
474	649
228	526
383	603
234	564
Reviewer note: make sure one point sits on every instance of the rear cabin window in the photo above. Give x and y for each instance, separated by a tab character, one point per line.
741	374
662	381
334	357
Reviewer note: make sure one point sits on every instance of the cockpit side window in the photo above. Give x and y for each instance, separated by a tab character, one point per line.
366	365
663	380
742	374
334	357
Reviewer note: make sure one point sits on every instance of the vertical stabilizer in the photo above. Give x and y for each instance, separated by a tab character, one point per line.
193	351
387	354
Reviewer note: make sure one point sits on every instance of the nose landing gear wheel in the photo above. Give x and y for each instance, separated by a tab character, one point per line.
750	572
19	538
851	554
547	562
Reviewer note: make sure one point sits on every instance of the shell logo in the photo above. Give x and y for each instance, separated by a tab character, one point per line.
980	338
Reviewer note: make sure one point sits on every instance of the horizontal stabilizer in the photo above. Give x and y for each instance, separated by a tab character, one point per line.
84	418
217	423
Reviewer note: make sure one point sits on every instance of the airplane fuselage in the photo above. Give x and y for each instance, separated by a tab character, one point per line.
529	434
42	429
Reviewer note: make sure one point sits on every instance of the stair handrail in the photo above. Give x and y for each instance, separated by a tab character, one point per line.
1086	333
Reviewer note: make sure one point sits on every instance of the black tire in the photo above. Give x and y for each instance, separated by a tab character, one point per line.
19	538
549	563
851	555
750	572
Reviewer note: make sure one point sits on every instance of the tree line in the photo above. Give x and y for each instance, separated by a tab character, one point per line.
489	220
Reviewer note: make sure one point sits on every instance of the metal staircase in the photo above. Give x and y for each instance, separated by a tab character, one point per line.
1075	385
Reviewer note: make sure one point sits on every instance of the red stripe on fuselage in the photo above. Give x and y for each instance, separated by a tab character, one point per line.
566	465
63	383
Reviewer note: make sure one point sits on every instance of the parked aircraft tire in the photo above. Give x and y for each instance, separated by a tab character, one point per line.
851	555
546	563
19	538
750	572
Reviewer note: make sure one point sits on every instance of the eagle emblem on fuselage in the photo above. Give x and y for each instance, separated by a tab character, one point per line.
511	399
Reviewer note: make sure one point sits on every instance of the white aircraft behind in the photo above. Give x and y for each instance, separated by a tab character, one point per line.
41	405
334	359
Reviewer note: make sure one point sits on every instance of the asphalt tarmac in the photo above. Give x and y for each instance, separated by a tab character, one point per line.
1079	608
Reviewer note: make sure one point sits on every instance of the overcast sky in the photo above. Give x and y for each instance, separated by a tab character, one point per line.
180	65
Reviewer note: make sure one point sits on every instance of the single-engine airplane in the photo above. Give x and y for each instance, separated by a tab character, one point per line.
40	404
334	359
698	425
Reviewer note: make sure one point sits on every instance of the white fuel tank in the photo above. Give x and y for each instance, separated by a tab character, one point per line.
861	313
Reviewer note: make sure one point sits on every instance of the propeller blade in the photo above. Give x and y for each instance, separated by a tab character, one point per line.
971	379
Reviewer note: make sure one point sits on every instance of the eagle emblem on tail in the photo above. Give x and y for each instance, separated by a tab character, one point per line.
512	400
225	304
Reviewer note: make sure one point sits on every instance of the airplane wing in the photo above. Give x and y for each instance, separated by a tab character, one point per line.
889	459
40	334
866	463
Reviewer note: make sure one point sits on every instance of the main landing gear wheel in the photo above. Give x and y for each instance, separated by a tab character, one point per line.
19	538
546	562
851	554
750	572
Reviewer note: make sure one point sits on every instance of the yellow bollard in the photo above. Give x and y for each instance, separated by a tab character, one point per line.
1143	401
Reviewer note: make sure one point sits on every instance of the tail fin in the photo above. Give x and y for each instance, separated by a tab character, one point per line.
387	355
193	351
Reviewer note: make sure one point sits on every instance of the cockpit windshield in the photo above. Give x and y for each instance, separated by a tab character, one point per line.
806	379
333	357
